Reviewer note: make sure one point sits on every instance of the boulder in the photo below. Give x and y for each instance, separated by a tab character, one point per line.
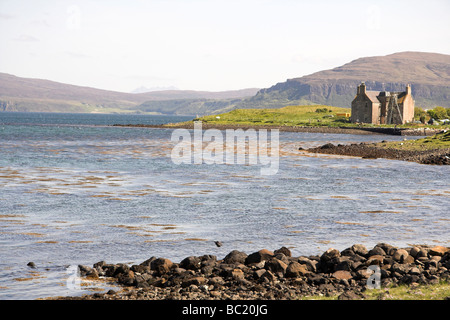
329	255
161	265
198	281
276	266
377	251
439	251
191	263
237	274
257	257
284	251
310	264
235	256
400	255
342	275
296	269
360	249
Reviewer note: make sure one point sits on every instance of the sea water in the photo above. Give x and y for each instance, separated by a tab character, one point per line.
76	190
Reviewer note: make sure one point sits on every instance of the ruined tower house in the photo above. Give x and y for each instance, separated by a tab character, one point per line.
382	107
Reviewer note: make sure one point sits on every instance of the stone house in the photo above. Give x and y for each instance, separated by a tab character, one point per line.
382	107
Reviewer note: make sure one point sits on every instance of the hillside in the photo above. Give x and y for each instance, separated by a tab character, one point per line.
428	74
25	94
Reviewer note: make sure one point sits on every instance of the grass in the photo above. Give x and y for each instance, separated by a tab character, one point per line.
302	116
439	291
316	115
438	141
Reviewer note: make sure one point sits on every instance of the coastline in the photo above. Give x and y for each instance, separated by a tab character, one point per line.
277	275
332	130
370	151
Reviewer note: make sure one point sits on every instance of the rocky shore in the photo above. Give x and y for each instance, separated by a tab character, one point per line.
310	129
267	275
364	150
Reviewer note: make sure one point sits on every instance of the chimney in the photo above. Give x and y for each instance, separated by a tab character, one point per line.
362	88
408	89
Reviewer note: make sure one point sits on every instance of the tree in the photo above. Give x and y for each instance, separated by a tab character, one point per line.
419	113
438	113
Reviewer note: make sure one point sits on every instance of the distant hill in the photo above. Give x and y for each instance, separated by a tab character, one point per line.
37	95
428	74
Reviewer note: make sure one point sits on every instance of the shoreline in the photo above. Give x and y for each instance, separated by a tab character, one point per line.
277	275
368	151
332	130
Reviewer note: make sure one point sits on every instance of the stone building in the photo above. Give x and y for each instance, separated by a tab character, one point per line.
382	107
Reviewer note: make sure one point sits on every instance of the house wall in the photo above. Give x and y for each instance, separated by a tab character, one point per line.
408	109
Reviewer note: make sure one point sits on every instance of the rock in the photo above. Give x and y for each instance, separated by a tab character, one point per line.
400	255
237	274
377	251
31	265
310	264
342	275
197	281
329	255
235	256
344	263
259	256
438	251
269	276
414	251
349	295
161	265
375	260
148	262
126	278
295	269
284	251
258	273
360	249
191	263
276	266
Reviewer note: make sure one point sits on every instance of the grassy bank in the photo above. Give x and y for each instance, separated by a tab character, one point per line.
287	116
438	141
295	116
438	291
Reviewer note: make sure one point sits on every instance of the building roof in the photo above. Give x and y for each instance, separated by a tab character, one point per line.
372	95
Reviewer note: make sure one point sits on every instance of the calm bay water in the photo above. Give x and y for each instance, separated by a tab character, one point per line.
74	190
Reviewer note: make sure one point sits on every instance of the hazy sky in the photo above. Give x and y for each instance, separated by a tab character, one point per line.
206	44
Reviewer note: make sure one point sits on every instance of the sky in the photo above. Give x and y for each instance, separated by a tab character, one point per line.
208	45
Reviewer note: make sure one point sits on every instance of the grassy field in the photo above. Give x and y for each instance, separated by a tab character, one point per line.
316	115
438	141
438	291
302	116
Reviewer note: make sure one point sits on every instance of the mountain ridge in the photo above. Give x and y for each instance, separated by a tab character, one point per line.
427	73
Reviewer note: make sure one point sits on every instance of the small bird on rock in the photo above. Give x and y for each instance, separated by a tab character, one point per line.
218	243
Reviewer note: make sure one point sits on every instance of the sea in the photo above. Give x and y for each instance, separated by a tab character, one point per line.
76	190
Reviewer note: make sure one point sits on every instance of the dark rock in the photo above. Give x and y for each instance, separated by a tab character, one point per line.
161	265
377	251
256	257
191	263
148	262
349	295
295	269
31	265
126	278
360	249
310	264
278	267
400	255
235	256
284	251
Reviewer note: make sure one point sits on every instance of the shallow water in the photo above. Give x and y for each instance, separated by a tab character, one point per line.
75	191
